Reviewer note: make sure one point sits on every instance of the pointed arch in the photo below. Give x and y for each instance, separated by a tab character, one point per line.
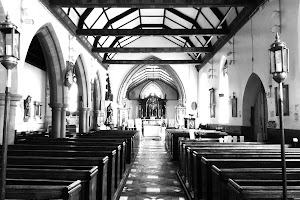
55	69
255	108
55	63
168	68
82	82
154	84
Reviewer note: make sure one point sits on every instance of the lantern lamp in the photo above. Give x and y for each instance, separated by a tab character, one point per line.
9	44
279	67
279	60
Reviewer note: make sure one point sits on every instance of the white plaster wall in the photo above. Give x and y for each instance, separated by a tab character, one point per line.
253	41
41	16
33	84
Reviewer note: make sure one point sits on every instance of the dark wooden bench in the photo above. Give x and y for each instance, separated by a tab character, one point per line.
111	170
99	143
101	163
81	142
206	165
250	176
174	135
120	157
192	170
43	190
238	192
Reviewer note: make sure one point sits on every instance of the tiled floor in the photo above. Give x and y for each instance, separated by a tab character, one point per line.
152	176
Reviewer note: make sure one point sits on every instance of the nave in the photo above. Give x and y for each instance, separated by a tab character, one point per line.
153	175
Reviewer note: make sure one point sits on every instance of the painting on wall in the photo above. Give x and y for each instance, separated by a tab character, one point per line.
212	103
285	92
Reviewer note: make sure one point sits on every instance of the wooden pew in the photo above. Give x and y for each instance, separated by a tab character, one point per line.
250	176
173	135
206	165
80	142
194	155
238	192
43	190
134	135
99	143
120	156
111	172
101	163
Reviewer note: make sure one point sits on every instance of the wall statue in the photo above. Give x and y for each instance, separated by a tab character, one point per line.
27	108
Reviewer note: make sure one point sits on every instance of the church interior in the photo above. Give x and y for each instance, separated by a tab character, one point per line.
149	99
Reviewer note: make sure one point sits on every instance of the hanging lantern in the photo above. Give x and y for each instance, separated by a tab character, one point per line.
279	60
9	44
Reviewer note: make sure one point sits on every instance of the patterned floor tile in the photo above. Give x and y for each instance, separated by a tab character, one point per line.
153	175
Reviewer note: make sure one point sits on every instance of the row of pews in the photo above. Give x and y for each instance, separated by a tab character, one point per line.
88	166
210	170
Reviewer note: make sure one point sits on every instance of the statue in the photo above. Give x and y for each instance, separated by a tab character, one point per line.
109	114
27	108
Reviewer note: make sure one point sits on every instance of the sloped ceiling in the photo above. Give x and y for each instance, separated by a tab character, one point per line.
197	28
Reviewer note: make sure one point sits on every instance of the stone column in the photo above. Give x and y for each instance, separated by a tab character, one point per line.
95	119
14	99
56	119
63	121
87	119
82	120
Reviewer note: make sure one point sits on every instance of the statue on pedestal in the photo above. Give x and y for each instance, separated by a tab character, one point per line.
109	115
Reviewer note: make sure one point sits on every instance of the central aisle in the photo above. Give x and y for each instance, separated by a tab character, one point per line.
153	176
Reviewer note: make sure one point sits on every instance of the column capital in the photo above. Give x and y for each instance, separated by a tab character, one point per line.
56	105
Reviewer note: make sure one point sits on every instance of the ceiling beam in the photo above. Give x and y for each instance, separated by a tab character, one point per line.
244	16
150	3
152	50
150	32
149	62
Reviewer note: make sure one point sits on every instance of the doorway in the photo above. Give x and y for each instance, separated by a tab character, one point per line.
255	109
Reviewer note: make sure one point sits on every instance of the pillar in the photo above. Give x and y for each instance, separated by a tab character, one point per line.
63	121
56	119
87	119
82	120
95	119
14	99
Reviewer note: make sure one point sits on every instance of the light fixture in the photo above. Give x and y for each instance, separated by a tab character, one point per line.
9	56
279	67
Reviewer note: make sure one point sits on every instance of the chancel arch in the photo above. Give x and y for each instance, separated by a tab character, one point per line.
123	90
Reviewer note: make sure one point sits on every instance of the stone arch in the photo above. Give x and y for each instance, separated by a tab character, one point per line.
84	94
254	89
56	70
156	85
126	81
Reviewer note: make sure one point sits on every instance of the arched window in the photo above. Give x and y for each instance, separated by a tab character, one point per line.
204	99
224	92
152	88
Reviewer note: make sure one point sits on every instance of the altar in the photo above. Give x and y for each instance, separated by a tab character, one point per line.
153	127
